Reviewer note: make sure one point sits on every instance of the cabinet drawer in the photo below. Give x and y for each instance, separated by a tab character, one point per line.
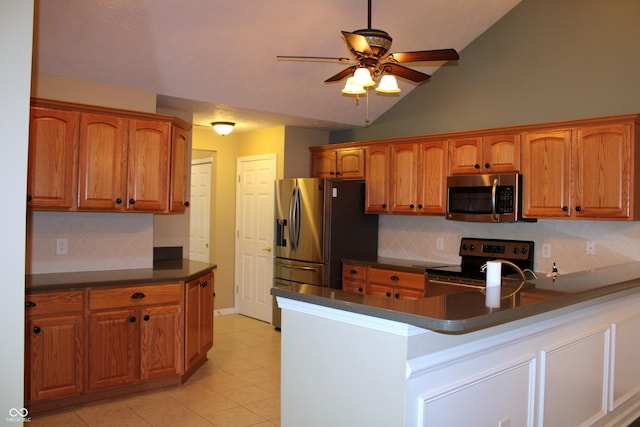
132	296
354	272
53	303
396	278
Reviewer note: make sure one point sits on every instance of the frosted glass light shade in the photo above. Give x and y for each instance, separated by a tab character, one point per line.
223	128
351	88
388	84
362	77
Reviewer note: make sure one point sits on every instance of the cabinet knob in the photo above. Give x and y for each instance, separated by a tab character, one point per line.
360	290
397	295
137	295
384	206
29	304
132	319
37	330
338	173
420	206
487	165
332	173
353	272
565	208
204	284
411	206
578	208
186	204
146	317
388	294
29	197
132	201
477	166
118	201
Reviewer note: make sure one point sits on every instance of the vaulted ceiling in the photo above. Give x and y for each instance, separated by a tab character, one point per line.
217	59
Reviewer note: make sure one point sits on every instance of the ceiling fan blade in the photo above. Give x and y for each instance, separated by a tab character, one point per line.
312	58
342	74
404	72
426	55
357	43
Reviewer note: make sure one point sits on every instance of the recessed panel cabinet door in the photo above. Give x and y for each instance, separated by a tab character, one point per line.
161	346
101	179
52	143
179	168
403	184
432	177
148	159
377	179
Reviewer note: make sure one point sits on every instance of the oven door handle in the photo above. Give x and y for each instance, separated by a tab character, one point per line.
494	192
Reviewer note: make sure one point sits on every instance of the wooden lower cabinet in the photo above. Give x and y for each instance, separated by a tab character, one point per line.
101	342
54	362
382	282
354	278
199	295
395	292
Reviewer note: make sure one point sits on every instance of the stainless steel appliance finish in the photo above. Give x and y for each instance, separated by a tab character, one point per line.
475	252
485	198
319	222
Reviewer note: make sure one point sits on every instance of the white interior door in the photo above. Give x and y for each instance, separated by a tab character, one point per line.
200	210
254	235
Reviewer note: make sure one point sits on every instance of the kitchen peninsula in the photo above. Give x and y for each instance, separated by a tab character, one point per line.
568	357
101	334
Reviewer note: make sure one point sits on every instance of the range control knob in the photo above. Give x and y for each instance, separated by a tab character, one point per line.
465	247
524	251
516	251
472	247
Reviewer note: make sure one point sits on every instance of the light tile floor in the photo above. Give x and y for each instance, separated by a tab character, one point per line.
239	386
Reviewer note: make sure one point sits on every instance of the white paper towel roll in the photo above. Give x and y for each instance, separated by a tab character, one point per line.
492	298
494	273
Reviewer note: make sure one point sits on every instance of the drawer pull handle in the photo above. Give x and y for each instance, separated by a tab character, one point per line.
395	278
204	284
132	319
137	295
146	317
29	304
353	272
37	330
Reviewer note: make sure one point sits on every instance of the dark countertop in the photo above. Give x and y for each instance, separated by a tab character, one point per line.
465	311
397	264
164	271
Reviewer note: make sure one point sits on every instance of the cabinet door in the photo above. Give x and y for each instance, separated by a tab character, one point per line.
350	163
432	178
323	164
148	161
101	182
465	156
55	357
602	172
52	145
207	293
377	179
199	319
161	347
403	183
378	290
113	348
179	169
501	153
546	165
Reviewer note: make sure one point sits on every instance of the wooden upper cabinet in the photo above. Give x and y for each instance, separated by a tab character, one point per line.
344	163
403	182
52	147
546	173
101	167
432	177
485	154
148	165
179	169
603	172
377	160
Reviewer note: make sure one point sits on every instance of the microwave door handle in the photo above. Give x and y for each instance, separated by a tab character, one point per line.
494	191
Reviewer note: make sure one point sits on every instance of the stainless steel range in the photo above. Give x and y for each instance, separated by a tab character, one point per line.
475	252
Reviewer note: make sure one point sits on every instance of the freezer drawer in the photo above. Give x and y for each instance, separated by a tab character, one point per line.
301	272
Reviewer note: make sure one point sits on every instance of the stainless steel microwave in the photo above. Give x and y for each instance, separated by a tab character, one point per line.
485	198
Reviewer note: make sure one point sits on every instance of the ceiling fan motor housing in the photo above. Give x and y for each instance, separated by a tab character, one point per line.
379	41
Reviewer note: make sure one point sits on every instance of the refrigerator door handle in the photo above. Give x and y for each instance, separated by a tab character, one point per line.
294	219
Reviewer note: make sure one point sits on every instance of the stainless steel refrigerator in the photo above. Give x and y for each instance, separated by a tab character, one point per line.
319	221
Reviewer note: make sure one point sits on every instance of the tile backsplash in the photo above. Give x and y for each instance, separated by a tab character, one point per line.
414	238
95	241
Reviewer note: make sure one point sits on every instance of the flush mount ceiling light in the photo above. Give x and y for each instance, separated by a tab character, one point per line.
223	128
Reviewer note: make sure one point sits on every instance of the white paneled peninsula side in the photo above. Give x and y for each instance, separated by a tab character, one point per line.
570	358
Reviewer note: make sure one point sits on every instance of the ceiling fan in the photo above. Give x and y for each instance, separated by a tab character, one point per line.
370	48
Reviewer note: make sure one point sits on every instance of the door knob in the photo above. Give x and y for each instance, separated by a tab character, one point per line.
268	249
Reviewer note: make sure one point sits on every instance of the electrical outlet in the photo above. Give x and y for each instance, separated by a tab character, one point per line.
546	250
439	243
62	246
591	247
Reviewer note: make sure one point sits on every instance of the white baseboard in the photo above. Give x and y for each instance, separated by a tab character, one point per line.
223	311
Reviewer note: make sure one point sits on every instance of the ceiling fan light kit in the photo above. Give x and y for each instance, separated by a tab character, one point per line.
350	88
388	84
223	128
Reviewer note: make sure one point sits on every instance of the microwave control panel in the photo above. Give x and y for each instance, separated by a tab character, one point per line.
504	200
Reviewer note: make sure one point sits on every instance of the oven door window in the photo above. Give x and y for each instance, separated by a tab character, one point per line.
473	200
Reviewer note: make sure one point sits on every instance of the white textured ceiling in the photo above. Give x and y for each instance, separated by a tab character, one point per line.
217	58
